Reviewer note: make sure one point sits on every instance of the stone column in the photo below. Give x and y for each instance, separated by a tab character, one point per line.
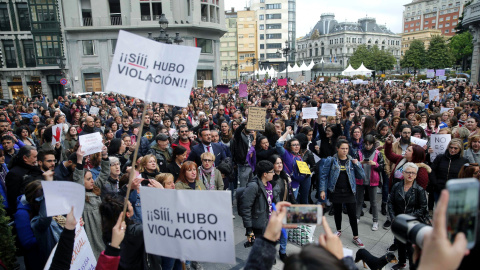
26	89
476	54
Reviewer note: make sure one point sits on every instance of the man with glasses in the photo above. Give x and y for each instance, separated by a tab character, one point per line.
184	140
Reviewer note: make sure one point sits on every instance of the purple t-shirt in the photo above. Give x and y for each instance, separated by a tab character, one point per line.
269	190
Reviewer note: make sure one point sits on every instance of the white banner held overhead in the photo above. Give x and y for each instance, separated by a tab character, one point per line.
152	71
183	224
60	196
94	110
91	143
439	143
57	133
329	109
434	95
418	141
309	113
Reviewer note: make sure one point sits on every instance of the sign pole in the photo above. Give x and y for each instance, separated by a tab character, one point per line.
134	161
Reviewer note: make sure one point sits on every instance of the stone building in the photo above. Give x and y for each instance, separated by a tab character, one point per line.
471	21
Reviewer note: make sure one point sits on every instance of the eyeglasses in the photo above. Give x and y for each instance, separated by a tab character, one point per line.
410	173
453	147
183	131
271	172
295	144
207	160
115	164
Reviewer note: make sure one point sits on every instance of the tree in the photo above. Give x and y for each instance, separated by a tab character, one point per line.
361	55
414	57
461	46
459	28
372	58
7	252
439	54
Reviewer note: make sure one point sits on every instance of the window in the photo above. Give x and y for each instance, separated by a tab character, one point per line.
274	26
251	36
274	46
454	23
262	56
274	36
447	31
4	18
88	48
262	36
273	6
10	54
441	20
455	17
411	25
47	49
262	46
242	57
272	55
260	17
29	52
261	27
448	18
434	21
426	22
44	15
240	36
440	26
417	24
447	25
274	16
205	44
23	17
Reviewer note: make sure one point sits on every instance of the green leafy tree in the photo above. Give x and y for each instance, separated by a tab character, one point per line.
459	28
7	243
439	54
361	55
372	58
461	46
414	57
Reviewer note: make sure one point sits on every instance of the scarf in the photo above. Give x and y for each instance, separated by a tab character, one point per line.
3	174
357	146
209	183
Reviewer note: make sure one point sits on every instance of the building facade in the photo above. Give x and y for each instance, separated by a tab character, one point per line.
276	25
422	15
228	48
336	42
247	41
471	21
425	36
32	48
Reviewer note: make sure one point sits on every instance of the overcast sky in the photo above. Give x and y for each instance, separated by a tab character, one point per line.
387	12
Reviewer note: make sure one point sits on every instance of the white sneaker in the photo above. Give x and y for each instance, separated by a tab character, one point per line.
375	226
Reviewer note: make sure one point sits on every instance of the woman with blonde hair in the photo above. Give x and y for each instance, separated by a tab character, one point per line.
208	174
473	150
148	167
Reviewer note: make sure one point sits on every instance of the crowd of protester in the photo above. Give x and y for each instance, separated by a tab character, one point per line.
366	147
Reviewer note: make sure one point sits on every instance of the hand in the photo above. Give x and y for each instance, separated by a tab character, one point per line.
80	154
254	142
136	183
132	147
118	232
104	152
372	163
355	161
381	147
274	226
71	222
317	148
330	241
425	147
289	130
322	195
48	175
57	145
389	139
438	252
351	116
155	184
250	237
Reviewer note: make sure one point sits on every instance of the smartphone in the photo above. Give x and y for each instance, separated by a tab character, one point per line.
366	160
304	214
133	139
462	212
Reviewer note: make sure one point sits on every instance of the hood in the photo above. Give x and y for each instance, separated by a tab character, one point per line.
425	166
22	203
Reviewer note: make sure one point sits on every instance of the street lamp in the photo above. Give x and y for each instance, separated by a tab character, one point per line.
226	72
163	36
286	53
323	62
253	61
61	63
235	67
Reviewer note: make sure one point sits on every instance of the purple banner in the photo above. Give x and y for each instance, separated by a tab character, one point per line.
282	82
440	72
269	80
222	89
242	90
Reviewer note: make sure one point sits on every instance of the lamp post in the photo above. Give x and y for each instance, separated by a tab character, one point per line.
286	53
235	67
226	72
61	63
253	61
323	63
163	36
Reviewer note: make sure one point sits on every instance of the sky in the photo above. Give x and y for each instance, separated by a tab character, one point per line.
387	12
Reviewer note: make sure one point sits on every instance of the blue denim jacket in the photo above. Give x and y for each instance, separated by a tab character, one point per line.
330	170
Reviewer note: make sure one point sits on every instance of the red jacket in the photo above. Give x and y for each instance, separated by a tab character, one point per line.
106	262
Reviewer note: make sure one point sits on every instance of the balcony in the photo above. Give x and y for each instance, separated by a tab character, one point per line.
97	21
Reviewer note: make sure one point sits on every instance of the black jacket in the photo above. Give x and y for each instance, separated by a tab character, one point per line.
17	178
413	202
445	167
239	146
282	188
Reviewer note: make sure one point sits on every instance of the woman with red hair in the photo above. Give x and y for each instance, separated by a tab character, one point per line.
188	177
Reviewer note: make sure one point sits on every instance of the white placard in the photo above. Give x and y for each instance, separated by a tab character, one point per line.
418	141
183	224
329	109
57	133
309	113
439	143
434	95
91	143
152	71
94	110
82	257
207	83
322	79
60	196
443	109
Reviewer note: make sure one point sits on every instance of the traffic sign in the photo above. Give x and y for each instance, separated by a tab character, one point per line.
63	81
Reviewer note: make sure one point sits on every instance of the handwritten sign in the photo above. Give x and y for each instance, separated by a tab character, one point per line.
57	133
207	83
309	113
94	110
439	143
91	143
303	167
329	109
60	196
222	89
440	72
322	79
418	141
282	82
183	224
242	90
82	257
430	73
256	118
434	95
152	71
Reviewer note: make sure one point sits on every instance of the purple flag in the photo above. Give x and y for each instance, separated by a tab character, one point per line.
269	80
440	72
242	90
222	89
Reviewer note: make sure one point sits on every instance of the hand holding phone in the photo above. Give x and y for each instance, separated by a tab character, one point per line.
304	214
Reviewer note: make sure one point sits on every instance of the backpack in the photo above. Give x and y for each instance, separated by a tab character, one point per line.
296	175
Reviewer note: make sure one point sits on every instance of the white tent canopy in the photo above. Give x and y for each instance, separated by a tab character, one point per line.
362	70
349	71
304	67
310	66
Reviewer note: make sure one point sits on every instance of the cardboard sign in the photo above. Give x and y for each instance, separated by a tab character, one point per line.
82	257
60	196
91	143
256	118
303	167
322	79
207	83
153	71
57	133
443	109
282	82
439	143
329	109
191	225
242	90
434	95
222	89
309	113
94	110
418	141
430	73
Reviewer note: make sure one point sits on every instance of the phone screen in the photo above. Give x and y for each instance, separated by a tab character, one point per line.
133	139
303	214
462	209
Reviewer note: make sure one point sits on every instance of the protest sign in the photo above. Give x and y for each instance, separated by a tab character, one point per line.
430	73
57	133
303	167
309	113
256	118
183	224
434	95
443	109
322	79
269	80
91	143
242	90
439	143
93	110
440	72
82	257
60	196
222	89
282	82
329	109
207	83
152	71
333	79
442	78
418	141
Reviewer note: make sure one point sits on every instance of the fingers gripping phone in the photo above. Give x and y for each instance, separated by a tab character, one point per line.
304	214
462	212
